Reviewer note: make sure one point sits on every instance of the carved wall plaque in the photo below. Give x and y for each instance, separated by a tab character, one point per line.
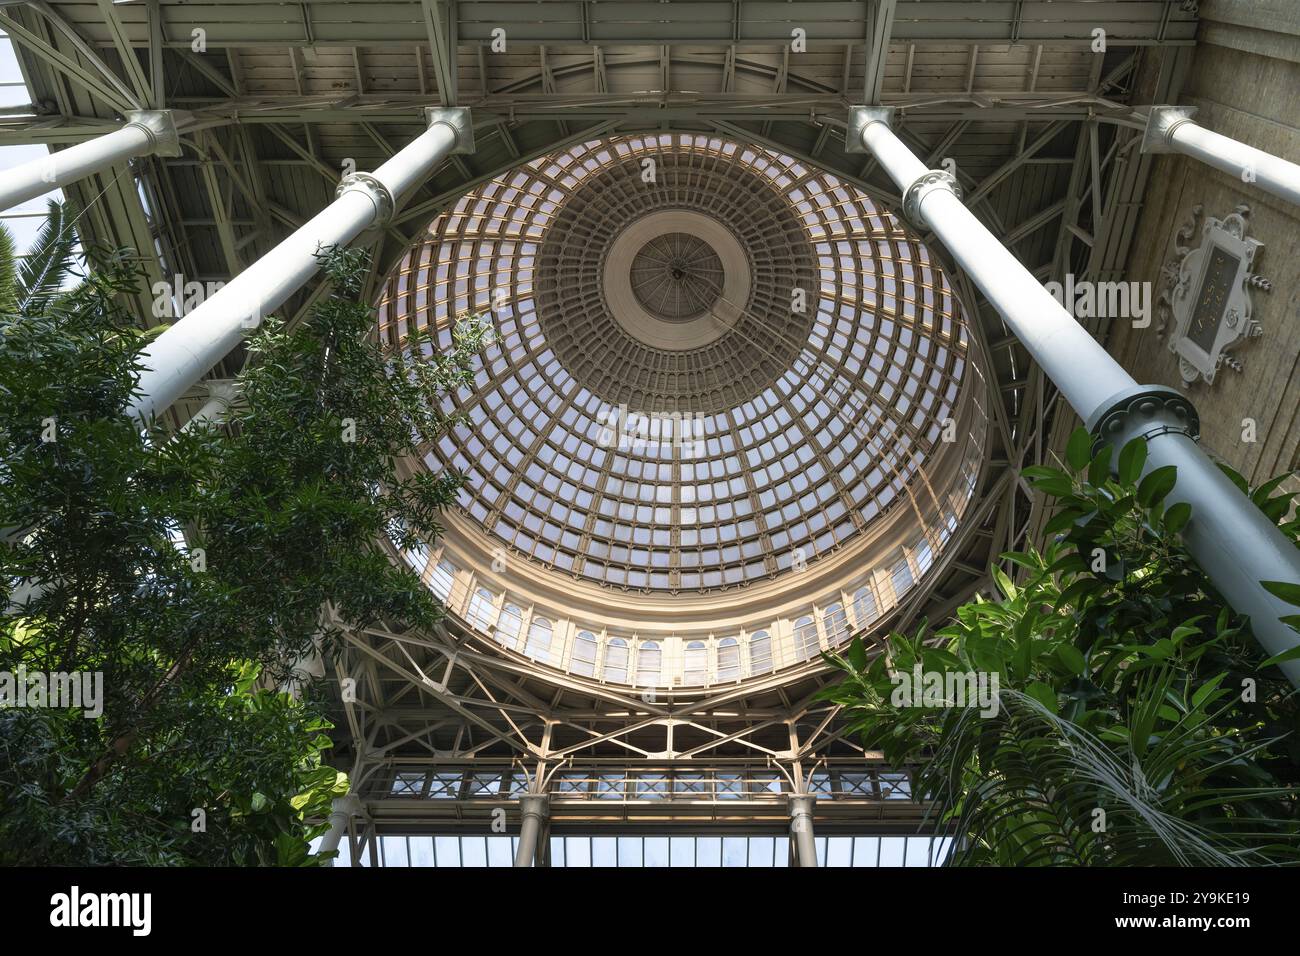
1207	292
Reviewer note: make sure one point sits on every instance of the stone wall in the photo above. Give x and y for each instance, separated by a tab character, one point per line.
1245	80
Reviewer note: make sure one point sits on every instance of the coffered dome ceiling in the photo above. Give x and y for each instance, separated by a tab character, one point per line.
712	363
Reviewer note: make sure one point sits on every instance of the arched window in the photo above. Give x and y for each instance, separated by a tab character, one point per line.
441	579
480	609
728	659
760	652
616	660
805	639
901	576
924	556
508	624
648	661
836	624
696	663
539	640
583	660
864	607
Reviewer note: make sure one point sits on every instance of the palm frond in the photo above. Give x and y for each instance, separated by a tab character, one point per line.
8	272
49	261
1044	781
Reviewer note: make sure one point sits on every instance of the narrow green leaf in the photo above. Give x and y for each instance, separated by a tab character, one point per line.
1291	654
1283	589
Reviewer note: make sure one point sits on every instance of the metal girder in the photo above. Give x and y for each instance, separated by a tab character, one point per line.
500	111
879	20
440	27
585	23
103	83
130	64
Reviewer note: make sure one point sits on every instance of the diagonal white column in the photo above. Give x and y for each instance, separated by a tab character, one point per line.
182	354
1170	129
1233	541
146	131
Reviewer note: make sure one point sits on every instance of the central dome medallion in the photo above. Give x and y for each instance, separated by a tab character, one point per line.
668	286
677	277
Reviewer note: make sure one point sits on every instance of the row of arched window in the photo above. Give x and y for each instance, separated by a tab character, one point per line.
704	661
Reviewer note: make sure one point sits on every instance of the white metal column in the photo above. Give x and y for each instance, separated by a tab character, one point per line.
1170	129
534	807
146	131
342	811
801	828
221	395
1232	540
182	354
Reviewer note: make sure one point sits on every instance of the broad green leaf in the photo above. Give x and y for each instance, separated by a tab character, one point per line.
1072	658
1235	477
1177	516
1079	450
1156	485
858	654
1261	494
1042	693
1056	486
1099	468
1131	459
1004	583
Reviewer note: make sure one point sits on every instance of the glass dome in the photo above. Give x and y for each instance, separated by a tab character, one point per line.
714	368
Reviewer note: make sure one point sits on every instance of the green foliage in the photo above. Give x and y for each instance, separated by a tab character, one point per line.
104	525
8	272
41	276
1137	721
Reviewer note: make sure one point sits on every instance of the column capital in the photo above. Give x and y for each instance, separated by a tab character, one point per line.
375	191
801	804
160	125
348	805
457	118
535	805
860	117
921	187
1161	123
222	389
1143	411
